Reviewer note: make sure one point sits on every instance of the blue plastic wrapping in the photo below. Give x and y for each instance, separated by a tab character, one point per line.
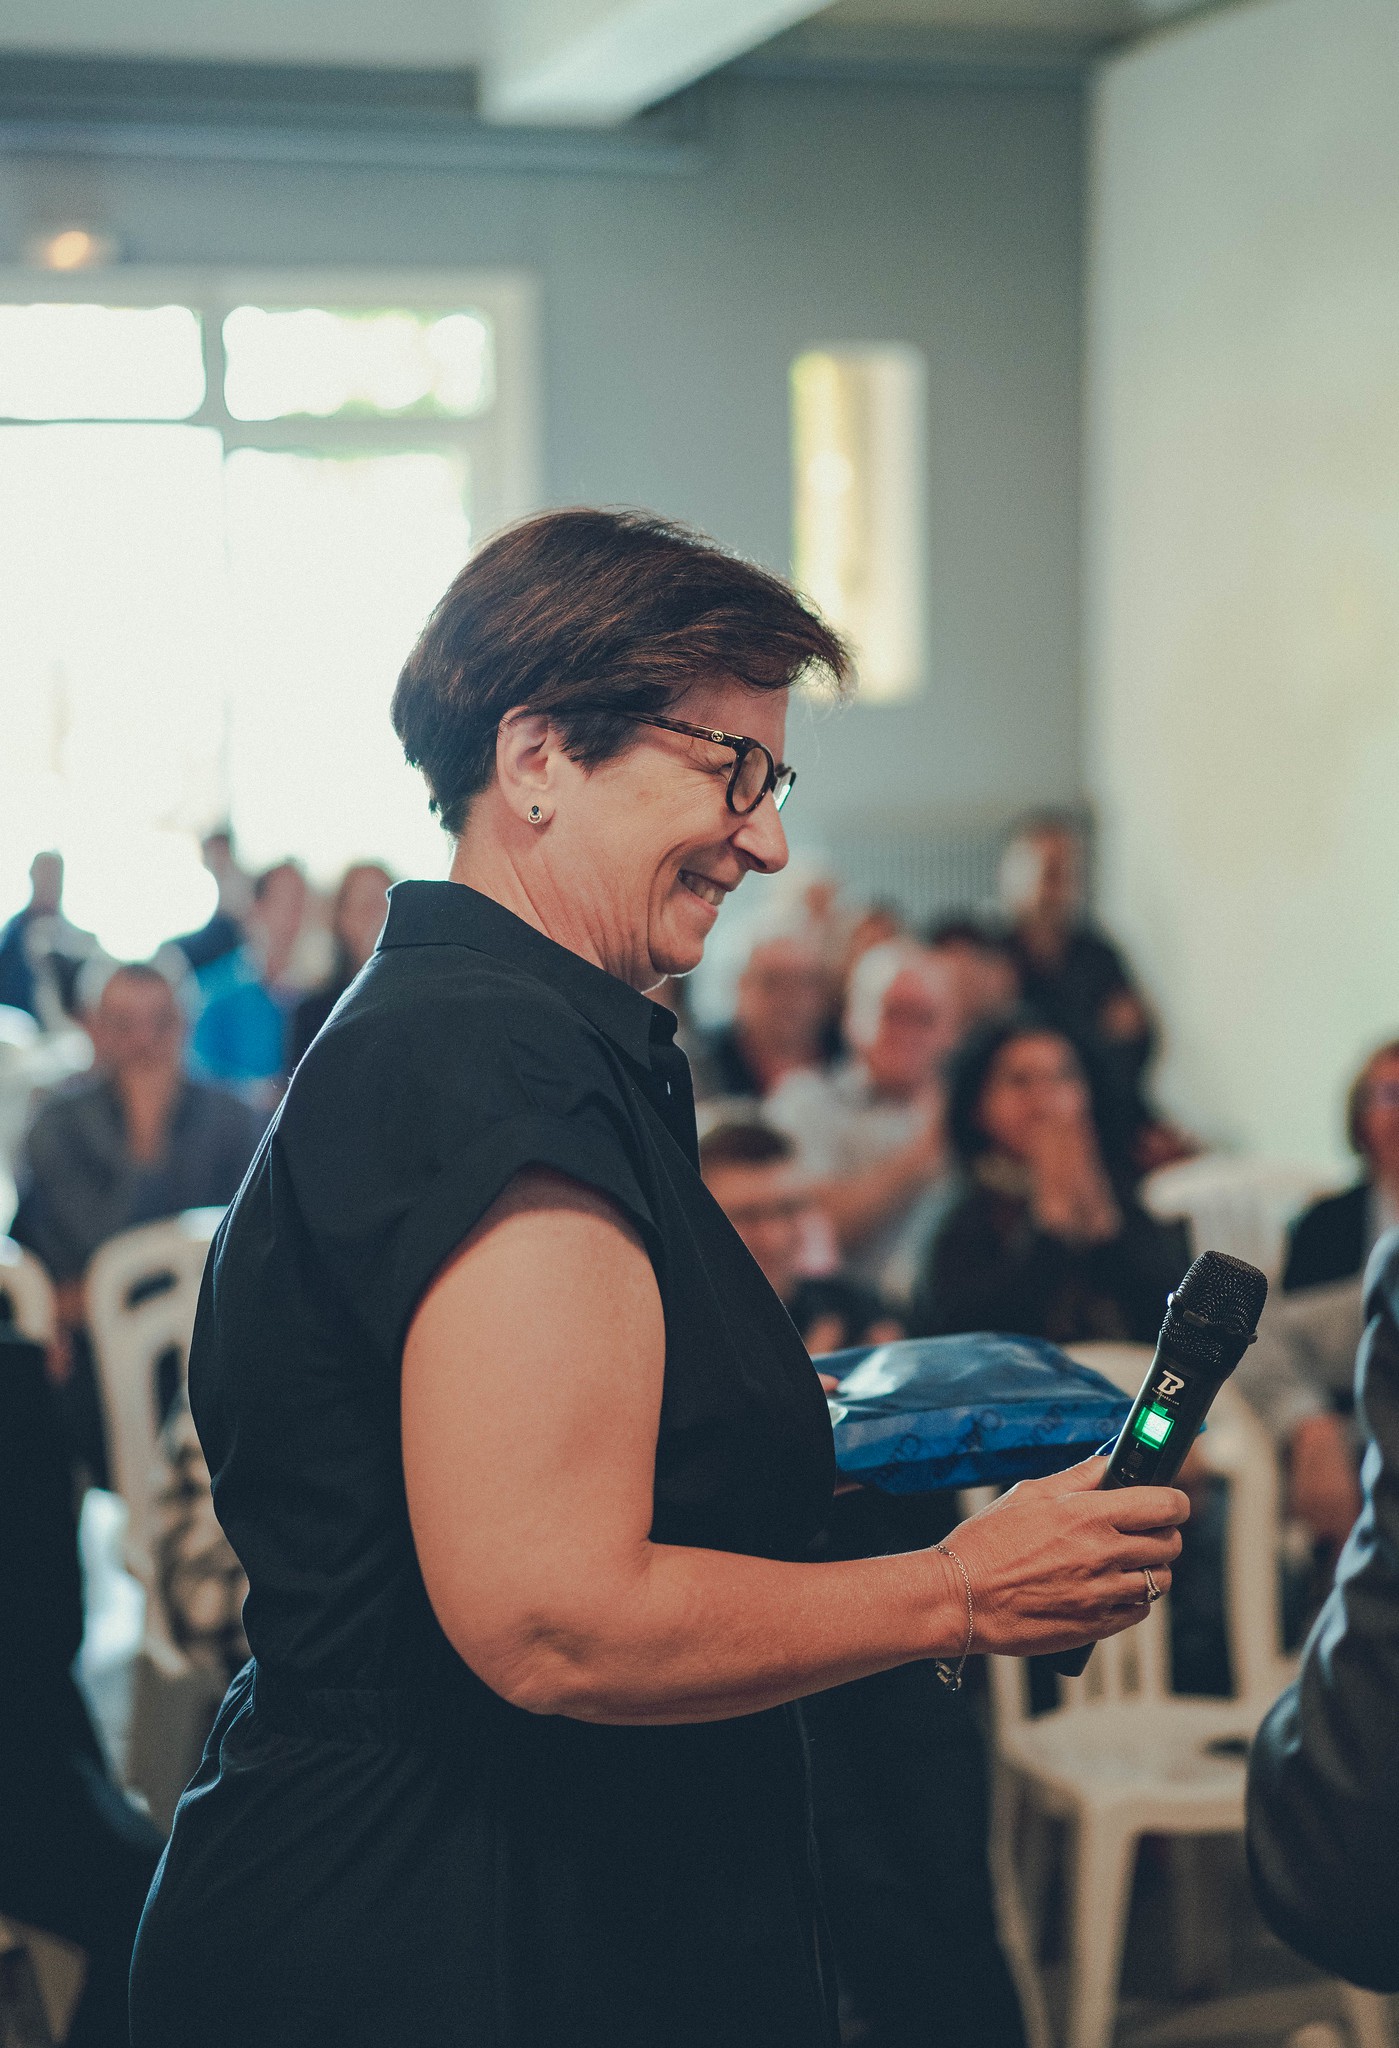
977	1410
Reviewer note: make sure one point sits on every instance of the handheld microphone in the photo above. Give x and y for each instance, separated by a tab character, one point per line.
1211	1320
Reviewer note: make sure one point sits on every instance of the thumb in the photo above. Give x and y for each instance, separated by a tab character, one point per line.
1085	1477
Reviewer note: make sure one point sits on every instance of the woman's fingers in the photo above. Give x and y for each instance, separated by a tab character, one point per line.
1147	1507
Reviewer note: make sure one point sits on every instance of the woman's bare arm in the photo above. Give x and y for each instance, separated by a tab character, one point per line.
531	1399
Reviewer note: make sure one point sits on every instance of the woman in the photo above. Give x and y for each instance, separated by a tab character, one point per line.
1332	1240
356	920
1042	1242
516	1445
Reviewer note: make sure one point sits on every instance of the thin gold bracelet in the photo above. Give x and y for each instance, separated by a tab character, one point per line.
951	1675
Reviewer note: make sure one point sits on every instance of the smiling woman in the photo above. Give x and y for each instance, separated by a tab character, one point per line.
518	1448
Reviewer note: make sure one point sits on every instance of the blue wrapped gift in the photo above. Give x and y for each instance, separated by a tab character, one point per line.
977	1410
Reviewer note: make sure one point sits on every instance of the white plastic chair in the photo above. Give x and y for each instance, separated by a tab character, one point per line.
171	1700
26	1293
1123	1757
1239	1206
132	1330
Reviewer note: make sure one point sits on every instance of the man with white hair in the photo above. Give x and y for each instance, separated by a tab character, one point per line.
871	1133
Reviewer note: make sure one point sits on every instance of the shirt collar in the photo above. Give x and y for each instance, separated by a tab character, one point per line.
451	914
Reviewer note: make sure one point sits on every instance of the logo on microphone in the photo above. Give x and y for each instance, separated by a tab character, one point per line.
1168	1384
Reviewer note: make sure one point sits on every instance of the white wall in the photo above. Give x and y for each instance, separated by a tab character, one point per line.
1242	550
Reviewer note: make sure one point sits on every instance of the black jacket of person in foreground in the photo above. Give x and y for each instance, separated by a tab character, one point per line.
1323	1792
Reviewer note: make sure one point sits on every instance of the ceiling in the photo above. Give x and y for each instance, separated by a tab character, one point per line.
587	62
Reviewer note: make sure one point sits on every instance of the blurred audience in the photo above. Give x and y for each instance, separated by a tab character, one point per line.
870	1133
1299	1378
240	1034
224	932
983	968
356	919
782	1022
1332	1240
133	1140
41	952
750	1169
1042	1241
76	1857
1075	978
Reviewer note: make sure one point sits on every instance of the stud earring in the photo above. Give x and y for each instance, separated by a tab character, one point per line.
536	816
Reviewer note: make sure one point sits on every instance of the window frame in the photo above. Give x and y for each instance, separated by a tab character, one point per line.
502	445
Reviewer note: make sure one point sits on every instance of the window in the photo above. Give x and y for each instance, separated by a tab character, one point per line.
858	468
226	507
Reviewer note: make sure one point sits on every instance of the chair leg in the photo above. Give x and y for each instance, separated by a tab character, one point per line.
1104	1858
1369	2017
1019	1931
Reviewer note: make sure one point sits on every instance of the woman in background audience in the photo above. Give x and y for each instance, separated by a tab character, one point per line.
356	920
1042	1242
1331	1241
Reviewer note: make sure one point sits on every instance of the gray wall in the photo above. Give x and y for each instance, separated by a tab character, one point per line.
946	215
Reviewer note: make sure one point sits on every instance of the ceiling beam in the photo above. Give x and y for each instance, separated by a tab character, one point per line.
591	63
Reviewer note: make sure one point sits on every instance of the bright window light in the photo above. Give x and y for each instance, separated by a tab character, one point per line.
315	361
75	362
859	524
335	564
112	612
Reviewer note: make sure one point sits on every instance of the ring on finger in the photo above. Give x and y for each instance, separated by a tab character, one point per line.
1153	1591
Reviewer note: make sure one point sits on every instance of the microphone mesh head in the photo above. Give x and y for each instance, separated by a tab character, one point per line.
1226	1293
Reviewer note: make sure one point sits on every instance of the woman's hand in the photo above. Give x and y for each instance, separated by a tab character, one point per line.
1070	1192
1056	1562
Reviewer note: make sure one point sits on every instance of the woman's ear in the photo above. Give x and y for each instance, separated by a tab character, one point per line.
525	756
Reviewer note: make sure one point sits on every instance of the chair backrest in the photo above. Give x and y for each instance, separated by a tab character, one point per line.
143	1289
26	1293
1240	1206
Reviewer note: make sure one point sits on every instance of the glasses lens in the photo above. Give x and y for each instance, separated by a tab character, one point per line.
783	790
751	778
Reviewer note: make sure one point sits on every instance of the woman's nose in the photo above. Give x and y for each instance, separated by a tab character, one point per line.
761	839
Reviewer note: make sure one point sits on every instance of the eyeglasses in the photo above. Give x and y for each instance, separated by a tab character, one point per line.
755	773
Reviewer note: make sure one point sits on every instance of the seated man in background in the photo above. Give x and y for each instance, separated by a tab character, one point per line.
870	1133
750	1169
1331	1241
1323	1794
41	953
898	1771
1077	980
76	1857
983	967
781	1023
1299	1380
130	1142
224	932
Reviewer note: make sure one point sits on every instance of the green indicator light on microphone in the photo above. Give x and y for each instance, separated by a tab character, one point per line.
1153	1426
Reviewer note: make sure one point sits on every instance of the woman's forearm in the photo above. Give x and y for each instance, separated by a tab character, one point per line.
701	1635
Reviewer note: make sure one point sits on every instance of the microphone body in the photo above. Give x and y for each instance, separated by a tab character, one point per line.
1210	1322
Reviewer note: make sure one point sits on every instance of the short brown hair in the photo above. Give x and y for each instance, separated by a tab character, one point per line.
591	608
740	1143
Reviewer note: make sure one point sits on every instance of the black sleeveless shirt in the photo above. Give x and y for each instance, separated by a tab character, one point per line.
377	1848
